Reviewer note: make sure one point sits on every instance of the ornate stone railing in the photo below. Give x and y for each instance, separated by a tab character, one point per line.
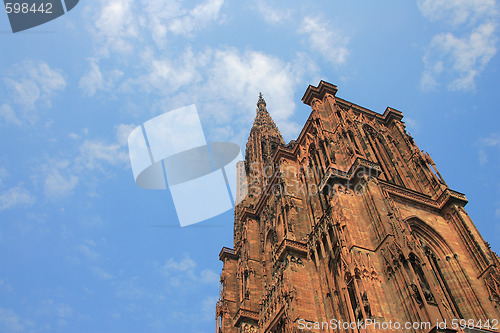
288	244
426	200
245	314
359	165
227	252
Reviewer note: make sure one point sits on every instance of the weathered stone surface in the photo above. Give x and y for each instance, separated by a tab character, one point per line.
351	222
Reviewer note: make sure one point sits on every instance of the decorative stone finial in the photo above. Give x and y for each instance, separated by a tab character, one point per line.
261	100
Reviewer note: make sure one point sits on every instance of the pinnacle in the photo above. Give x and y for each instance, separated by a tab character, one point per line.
261	101
264	122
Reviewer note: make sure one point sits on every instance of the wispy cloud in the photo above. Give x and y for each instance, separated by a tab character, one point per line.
130	289
60	176
457	58
9	116
325	39
16	196
95	80
88	249
486	145
5	286
94	154
412	124
11	322
59	179
29	85
114	25
101	273
456	12
183	273
4	174
164	73
224	82
122	25
196	18
60	311
234	80
208	306
271	13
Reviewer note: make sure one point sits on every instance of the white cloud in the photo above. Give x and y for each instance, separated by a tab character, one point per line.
208	276
121	26
207	307
183	273
115	26
129	289
95	80
8	115
234	82
412	124
61	312
483	157
492	140
458	59
456	11
122	133
94	154
3	175
31	82
487	144
10	321
272	14
465	58
179	272
87	249
101	273
164	74
197	18
29	85
60	176
16	196
4	285
59	179
225	84
329	42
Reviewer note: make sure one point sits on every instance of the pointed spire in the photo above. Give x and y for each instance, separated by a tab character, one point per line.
261	101
264	122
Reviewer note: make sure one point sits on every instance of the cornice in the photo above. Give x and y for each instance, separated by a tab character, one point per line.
318	92
227	252
290	245
326	87
359	164
447	196
245	314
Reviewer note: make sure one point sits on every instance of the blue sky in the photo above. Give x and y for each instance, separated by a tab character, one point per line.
83	249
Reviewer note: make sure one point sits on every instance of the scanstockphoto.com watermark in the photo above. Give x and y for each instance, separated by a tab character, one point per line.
454	324
171	151
310	185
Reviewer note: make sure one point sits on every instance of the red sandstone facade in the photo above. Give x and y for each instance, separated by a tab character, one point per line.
351	223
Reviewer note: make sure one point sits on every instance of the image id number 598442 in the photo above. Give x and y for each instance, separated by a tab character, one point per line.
23	7
471	323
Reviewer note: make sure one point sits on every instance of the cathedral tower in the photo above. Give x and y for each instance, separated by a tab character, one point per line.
349	227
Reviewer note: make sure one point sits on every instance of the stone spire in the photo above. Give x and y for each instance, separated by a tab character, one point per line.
261	100
265	124
264	140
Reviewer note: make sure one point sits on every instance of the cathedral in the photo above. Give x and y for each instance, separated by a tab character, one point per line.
351	228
